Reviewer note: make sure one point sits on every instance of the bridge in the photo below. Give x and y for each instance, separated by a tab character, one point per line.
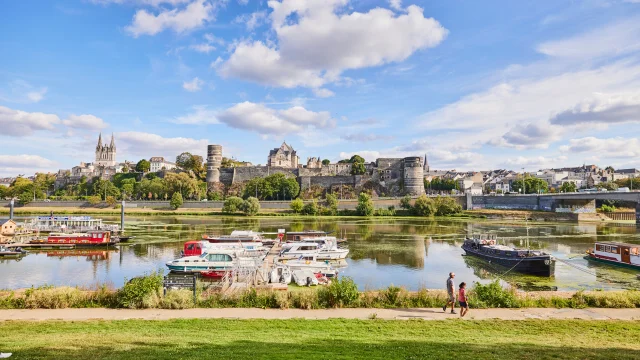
580	202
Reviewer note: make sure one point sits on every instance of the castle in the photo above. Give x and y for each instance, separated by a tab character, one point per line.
105	155
392	176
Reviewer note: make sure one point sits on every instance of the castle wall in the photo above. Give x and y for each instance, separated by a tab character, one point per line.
242	174
326	181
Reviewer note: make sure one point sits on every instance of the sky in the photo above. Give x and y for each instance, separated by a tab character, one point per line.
475	85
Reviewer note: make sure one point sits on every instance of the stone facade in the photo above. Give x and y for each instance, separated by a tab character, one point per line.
394	176
105	154
159	163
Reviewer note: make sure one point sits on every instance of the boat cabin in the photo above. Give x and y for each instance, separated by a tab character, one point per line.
90	237
194	248
298	236
618	252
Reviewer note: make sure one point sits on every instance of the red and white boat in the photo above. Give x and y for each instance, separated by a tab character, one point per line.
614	253
90	238
195	248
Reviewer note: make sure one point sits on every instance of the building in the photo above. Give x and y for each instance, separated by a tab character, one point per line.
314	163
105	155
284	157
159	163
7	227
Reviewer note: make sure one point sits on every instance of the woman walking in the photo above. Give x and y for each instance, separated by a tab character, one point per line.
462	298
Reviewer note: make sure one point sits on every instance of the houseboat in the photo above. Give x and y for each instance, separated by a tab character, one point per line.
196	248
297	249
525	261
614	253
238	236
90	238
67	223
215	260
310	262
303	235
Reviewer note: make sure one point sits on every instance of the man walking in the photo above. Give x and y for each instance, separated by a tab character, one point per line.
450	293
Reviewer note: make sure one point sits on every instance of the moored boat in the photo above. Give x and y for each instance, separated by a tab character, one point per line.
237	236
526	261
196	248
90	238
217	260
297	249
614	253
310	263
298	236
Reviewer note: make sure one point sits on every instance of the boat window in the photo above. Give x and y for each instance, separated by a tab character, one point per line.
614	250
634	251
626	251
190	246
219	257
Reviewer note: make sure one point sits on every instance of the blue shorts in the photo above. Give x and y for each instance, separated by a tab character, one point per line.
464	304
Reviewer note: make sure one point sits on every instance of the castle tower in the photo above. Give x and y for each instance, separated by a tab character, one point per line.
413	176
214	161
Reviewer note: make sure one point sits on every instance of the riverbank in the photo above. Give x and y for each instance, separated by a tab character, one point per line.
330	339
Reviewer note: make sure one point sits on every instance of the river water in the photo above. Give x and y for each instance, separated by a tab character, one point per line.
413	253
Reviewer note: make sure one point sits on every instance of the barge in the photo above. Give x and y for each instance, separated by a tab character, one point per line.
90	238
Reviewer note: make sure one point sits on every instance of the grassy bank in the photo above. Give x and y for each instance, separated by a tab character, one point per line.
327	339
146	292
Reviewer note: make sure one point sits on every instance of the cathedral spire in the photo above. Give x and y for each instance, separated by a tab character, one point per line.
99	142
426	163
113	143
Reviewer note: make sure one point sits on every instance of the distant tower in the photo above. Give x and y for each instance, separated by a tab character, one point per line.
214	161
413	176
425	166
106	154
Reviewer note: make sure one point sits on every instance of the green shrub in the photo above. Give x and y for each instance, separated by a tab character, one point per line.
232	204
177	299
331	202
424	206
392	295
607	208
340	293
251	206
365	205
493	295
296	205
446	205
141	292
176	200
405	203
310	208
94	200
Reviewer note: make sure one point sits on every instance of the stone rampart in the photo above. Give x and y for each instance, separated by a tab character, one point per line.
326	181
242	174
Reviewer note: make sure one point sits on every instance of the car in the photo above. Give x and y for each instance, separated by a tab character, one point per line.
47	200
204	200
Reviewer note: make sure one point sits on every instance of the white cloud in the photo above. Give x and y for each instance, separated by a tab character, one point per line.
266	121
617	147
252	20
22	161
20	91
534	161
325	41
528	136
87	122
146	144
36	96
396	4
193	85
602	108
199	115
323	93
616	39
22	123
363	137
203	48
193	16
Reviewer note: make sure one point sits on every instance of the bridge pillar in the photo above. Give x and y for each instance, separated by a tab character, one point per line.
469	201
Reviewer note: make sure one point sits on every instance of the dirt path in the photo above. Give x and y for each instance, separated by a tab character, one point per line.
388	314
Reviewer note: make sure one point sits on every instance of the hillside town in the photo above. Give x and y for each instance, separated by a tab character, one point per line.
218	176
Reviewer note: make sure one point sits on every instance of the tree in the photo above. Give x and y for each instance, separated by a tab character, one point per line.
194	163
176	200
609	169
424	206
296	205
365	205
93	200
358	168
143	166
533	185
232	204
331	202
104	188
446	205
182	183
326	162
568	186
251	206
405	203
111	201
310	208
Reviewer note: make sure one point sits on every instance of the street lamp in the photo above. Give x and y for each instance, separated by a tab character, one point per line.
524	184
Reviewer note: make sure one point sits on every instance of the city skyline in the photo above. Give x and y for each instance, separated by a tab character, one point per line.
475	86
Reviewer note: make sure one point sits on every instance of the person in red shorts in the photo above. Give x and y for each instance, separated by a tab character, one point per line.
462	298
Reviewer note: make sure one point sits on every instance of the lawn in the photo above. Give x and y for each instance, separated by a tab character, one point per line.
321	339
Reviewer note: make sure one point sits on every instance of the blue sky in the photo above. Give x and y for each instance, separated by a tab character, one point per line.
475	85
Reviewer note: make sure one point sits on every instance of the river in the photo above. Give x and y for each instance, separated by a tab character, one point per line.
412	253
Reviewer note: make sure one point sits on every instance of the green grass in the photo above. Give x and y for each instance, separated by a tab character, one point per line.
322	339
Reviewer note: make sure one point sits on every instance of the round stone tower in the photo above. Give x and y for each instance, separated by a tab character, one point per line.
214	161
413	176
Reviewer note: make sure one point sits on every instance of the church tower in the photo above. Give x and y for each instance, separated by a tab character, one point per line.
425	165
106	154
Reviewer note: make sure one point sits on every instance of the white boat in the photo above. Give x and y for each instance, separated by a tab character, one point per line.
280	274
305	278
310	263
298	249
192	248
219	260
241	236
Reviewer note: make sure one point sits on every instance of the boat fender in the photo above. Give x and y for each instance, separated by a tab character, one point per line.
307	262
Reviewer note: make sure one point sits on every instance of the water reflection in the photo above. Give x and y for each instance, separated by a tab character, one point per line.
406	252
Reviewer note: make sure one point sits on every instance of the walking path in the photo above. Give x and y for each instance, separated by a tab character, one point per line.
388	314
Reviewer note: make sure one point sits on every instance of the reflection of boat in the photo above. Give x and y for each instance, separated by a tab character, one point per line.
7	252
614	253
90	238
90	254
521	260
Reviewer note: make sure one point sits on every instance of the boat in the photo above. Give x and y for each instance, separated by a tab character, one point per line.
301	235
525	261
67	223
215	274
615	253
305	277
310	263
219	259
196	248
89	238
236	236
321	252
280	274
